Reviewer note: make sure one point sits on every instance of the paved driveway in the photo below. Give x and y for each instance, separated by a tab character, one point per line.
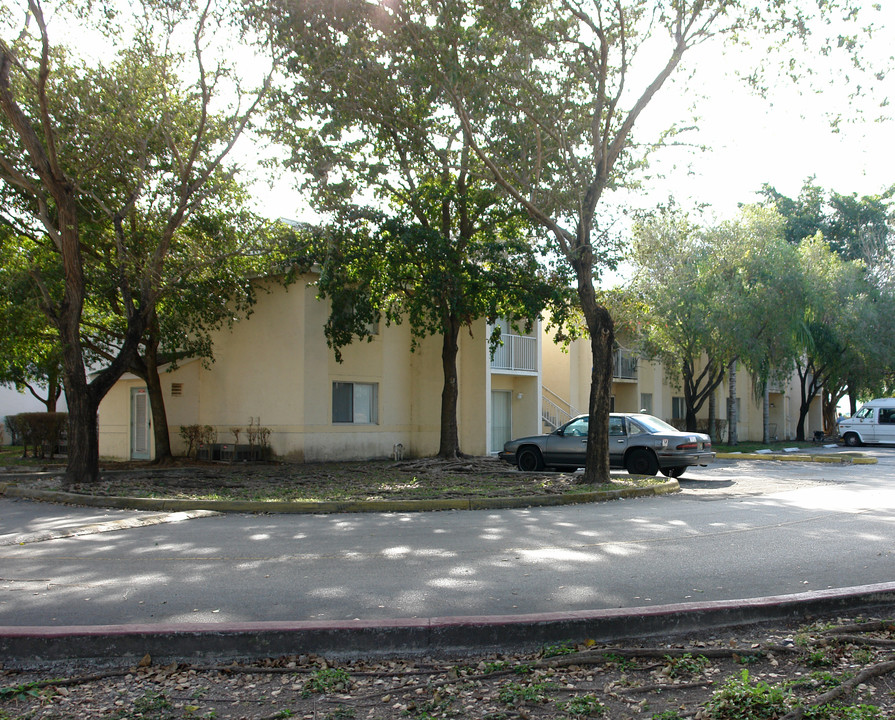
739	529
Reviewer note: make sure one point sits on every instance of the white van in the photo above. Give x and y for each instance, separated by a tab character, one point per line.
873	423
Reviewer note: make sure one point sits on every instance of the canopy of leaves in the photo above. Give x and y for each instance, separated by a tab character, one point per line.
400	270
709	296
857	228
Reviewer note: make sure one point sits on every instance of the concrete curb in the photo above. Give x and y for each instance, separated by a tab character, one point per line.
415	636
379	506
839	459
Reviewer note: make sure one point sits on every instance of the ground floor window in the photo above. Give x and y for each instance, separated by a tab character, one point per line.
356	403
678	408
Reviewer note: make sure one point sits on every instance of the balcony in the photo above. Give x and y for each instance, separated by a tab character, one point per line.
624	365
517	354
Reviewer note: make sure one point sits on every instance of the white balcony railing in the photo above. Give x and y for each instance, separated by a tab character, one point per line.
518	353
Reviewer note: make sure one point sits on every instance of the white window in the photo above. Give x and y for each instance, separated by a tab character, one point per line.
678	408
356	403
646	403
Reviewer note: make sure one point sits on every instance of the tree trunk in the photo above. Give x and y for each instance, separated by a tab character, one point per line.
160	431
146	367
766	414
63	226
807	391
449	444
83	438
54	390
732	404
698	388
690	419
602	340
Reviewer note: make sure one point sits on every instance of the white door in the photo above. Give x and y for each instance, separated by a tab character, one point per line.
139	424
501	418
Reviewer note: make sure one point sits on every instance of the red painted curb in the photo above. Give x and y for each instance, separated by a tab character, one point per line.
410	636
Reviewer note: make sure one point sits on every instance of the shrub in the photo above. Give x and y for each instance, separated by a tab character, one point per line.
195	435
41	430
12	424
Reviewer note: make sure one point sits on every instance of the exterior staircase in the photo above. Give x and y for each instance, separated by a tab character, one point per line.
555	410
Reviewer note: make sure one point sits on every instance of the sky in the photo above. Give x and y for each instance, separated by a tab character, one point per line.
752	142
781	141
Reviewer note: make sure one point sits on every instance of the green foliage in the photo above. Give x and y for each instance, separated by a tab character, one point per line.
849	304
855	228
41	431
516	694
495	666
705	296
583	706
325	679
685	665
621	662
564	648
820	658
117	174
844	712
20	692
430	709
817	679
667	715
29	346
150	706
741	700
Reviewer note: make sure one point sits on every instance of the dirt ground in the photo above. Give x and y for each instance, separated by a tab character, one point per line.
833	668
423	479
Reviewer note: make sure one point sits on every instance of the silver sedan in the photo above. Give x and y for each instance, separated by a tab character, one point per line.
639	443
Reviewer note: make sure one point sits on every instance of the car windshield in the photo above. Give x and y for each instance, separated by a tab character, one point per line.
653	424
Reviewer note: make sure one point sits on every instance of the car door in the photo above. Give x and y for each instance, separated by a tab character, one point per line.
568	446
885	428
618	441
864	422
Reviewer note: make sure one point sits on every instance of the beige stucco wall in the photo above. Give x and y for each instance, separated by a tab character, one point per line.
276	368
525	413
114	419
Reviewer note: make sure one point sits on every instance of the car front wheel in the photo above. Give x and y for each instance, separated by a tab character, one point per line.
852	439
641	462
529	459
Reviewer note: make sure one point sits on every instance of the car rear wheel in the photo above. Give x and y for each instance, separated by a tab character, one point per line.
674	472
852	439
641	462
529	459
